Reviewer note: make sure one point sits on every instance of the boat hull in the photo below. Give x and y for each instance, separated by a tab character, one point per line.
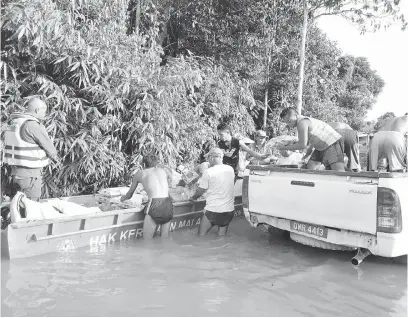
65	234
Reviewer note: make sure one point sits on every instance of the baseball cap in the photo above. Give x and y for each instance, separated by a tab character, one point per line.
260	133
215	152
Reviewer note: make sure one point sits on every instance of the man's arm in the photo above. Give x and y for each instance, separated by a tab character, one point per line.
301	144
168	172
202	187
37	133
251	152
308	152
133	187
199	192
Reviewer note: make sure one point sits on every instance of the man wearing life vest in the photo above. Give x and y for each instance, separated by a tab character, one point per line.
321	136
28	148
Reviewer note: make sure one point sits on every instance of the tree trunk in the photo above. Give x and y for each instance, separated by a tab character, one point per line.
266	107
137	17
302	57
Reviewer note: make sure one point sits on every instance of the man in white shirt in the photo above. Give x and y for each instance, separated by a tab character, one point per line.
218	183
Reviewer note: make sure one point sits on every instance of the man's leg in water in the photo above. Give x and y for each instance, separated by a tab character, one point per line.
222	230
149	227
205	225
165	229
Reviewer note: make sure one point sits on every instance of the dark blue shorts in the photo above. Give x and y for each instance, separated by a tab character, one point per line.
220	219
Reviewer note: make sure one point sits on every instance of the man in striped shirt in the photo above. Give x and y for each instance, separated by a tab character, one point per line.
326	141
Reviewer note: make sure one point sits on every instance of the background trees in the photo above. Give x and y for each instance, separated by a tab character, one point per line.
109	99
123	78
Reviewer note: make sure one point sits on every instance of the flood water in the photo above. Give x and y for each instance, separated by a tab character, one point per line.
247	273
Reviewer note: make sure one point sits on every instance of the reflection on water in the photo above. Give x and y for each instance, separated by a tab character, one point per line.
248	273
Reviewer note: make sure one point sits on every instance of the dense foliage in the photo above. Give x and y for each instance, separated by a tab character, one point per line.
110	101
123	78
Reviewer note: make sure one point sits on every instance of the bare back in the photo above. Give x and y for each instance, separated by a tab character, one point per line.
154	181
399	124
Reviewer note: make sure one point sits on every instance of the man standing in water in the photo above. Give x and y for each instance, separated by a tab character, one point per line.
321	136
28	149
218	183
159	209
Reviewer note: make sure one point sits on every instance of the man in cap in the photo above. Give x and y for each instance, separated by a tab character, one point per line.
231	147
218	183
260	147
28	149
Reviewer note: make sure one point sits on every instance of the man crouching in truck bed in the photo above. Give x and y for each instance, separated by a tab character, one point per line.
159	209
349	142
218	183
389	143
321	136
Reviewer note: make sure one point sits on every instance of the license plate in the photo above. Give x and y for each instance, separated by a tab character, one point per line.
315	230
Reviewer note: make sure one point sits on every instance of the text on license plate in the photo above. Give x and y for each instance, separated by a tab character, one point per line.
315	230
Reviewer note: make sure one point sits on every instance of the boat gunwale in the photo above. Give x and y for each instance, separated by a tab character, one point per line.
31	223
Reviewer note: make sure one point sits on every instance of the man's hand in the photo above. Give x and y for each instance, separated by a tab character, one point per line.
56	160
124	198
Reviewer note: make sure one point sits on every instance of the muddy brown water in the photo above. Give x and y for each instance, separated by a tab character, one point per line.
248	273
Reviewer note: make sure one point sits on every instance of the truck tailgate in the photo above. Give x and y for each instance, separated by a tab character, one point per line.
338	200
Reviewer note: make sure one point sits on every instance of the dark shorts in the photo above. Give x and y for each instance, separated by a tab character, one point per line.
160	210
349	139
220	219
332	154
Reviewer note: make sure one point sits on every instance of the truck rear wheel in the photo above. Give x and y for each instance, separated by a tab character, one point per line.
319	244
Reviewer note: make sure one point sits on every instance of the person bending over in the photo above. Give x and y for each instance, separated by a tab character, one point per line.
321	136
390	144
159	208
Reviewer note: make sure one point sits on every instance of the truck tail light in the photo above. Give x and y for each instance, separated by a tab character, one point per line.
388	211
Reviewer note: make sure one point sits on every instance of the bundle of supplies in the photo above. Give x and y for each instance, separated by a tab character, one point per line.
110	198
286	157
189	176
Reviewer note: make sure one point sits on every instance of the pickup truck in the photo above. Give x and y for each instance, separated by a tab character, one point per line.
363	211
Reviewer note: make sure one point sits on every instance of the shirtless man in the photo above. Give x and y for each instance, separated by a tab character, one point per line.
390	143
159	209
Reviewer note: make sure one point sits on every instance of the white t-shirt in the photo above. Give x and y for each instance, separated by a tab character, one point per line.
219	183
